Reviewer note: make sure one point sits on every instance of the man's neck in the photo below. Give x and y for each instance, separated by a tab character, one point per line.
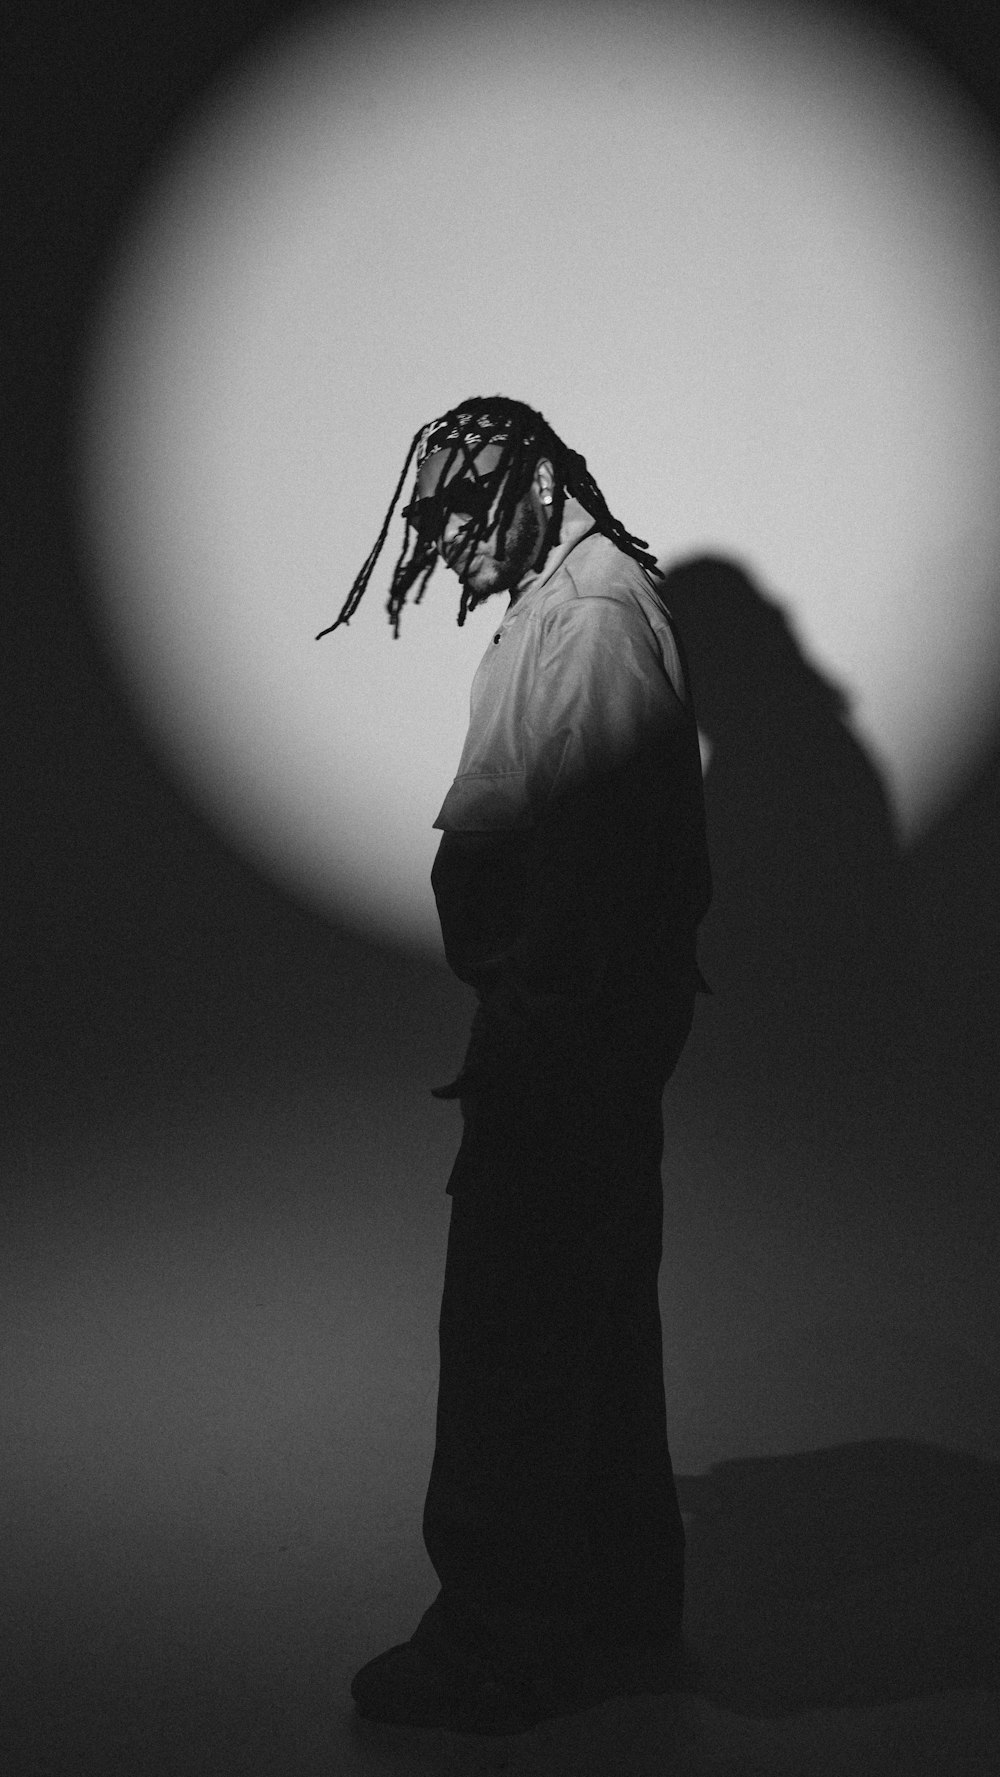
576	521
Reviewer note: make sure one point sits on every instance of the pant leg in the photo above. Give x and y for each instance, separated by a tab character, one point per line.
551	1515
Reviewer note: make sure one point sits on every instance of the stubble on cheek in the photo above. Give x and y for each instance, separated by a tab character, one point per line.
490	574
520	546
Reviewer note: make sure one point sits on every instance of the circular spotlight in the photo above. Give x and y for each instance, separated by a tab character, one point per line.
744	258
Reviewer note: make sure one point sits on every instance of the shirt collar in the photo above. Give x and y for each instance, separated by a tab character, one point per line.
577	523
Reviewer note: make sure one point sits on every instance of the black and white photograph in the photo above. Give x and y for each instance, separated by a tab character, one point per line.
500	566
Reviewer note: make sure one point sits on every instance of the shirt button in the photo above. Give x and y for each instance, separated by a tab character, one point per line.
496	638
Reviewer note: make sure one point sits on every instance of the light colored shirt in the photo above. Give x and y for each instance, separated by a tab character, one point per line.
580	673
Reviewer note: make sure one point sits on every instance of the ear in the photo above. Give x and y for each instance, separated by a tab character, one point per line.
544	482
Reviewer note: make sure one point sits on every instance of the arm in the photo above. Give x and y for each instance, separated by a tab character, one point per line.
601	719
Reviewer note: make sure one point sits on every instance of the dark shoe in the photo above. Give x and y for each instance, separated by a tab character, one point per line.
405	1687
409	1689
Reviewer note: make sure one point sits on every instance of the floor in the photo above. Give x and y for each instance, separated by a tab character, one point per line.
220	1321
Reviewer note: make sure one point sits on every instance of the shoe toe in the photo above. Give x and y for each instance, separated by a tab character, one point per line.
405	1688
397	1681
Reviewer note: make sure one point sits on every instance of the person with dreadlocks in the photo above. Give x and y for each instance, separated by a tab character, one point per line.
570	880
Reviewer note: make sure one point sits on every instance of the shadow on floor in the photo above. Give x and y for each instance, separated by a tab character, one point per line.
846	1577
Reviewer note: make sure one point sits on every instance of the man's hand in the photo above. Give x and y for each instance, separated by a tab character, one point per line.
465	1088
454	1089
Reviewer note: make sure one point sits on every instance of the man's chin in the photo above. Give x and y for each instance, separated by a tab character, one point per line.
480	584
477	594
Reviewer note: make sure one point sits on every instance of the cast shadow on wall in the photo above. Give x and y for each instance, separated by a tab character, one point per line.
805	945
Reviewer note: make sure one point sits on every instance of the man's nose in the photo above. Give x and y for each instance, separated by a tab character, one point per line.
454	525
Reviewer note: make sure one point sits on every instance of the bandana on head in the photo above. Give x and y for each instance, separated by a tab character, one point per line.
476	427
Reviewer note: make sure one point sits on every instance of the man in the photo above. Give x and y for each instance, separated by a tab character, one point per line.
570	879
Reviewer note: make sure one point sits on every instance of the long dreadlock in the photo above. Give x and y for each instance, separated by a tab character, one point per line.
524	436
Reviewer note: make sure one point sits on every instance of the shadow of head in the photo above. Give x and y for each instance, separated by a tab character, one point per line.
772	718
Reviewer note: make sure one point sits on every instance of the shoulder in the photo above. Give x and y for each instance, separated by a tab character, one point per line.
600	597
596	568
599	588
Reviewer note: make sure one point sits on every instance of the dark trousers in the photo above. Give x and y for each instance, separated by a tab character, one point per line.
551	1516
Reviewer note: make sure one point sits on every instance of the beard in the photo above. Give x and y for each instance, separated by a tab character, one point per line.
489	574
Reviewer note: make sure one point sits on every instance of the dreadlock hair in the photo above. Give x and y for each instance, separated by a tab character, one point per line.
525	436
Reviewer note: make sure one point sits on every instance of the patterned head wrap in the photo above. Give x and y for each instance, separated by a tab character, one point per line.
475	427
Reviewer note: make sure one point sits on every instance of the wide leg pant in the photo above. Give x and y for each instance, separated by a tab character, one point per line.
551	1516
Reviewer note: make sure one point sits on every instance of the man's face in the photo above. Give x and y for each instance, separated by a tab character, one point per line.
481	568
